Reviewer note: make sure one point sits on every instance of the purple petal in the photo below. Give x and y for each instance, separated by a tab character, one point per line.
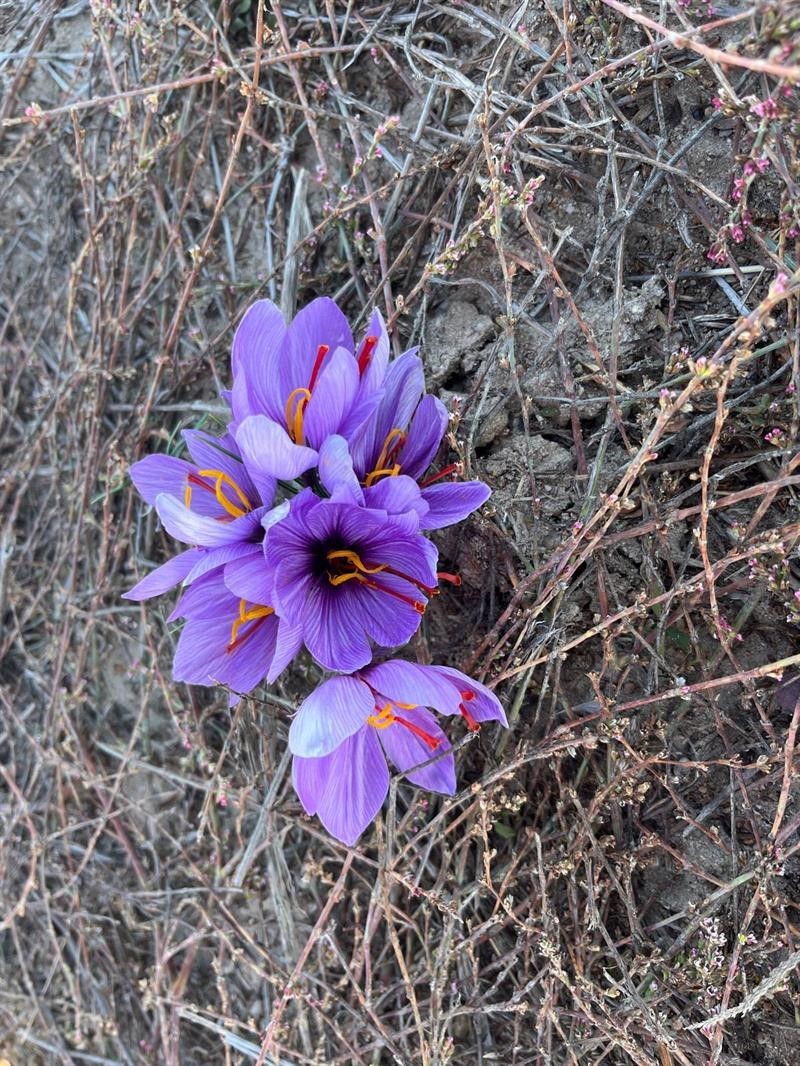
375	370
206	598
349	789
210	559
398	496
270	453
388	620
250	578
212	453
320	322
403	388
288	642
484	706
336	472
200	530
407	750
202	656
164	577
411	554
254	358
412	683
451	501
331	398
424	436
333	629
334	711
156	474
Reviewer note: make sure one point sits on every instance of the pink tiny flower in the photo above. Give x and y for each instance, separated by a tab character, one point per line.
762	164
717	102
737	233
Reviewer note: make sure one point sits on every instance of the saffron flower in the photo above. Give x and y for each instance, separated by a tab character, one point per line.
402	438
345	731
210	502
227	640
306	378
345	575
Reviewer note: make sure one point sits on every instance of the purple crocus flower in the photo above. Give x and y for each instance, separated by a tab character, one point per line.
402	438
347	728
209	501
307	378
227	640
345	574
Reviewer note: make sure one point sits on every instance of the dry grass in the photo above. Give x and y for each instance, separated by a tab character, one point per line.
618	880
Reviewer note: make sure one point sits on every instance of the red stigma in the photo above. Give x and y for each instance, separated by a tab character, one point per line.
418	607
426	738
322	351
365	354
472	724
454	468
454	579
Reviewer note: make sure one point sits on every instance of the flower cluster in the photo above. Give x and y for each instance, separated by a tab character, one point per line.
306	528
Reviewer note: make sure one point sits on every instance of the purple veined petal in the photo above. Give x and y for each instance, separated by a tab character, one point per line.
183	524
160	473
204	655
374	371
319	322
403	388
255	355
406	749
331	397
484	706
389	621
288	642
310	779
157	474
417	685
425	434
205	598
336	472
212	453
269	451
355	780
332	630
210	559
164	577
451	501
250	578
334	711
410	554
362	410
397	496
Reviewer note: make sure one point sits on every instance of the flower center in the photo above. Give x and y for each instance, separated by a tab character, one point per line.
386	465
297	401
220	479
345	565
255	614
386	717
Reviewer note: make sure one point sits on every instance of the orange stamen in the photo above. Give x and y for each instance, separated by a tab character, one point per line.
255	614
383	719
454	468
354	559
220	479
395	439
366	354
322	351
295	409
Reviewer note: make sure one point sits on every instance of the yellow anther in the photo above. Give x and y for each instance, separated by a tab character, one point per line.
247	616
383	719
187	495
386	471
295	410
220	479
353	559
